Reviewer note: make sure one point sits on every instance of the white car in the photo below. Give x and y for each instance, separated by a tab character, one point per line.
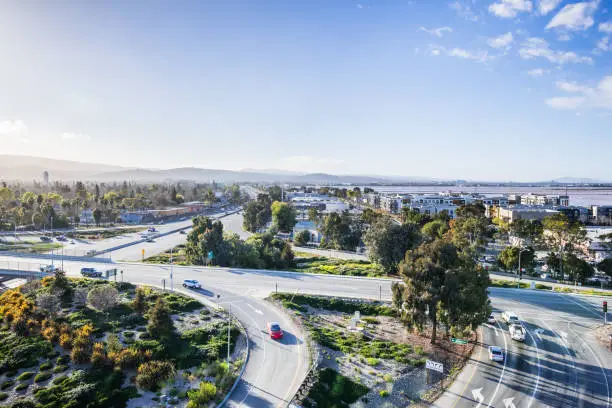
510	317
496	353
491	319
517	332
191	284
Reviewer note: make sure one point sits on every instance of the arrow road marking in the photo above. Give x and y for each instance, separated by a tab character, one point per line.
508	402
538	333
259	312
563	335
477	394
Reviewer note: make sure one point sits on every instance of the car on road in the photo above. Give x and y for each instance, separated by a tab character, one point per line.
496	353
182	232
275	330
91	273
152	229
517	332
191	284
49	269
91	252
510	317
61	238
150	240
491	319
45	238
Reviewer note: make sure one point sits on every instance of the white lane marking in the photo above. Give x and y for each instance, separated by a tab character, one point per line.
603	372
568	354
538	332
477	394
535	390
509	402
503	368
263	341
259	312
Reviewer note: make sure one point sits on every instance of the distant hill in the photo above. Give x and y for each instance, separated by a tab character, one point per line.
30	168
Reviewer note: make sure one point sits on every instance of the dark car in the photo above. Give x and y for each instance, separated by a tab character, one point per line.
91	273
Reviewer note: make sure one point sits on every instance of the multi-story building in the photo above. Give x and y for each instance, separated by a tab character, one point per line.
391	204
601	214
524	212
545	199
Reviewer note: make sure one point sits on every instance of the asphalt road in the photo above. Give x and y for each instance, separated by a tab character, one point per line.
558	365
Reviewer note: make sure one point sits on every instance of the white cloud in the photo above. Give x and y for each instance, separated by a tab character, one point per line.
606	27
359	6
536	47
13	127
537	72
565	102
599	96
546	6
503	41
74	136
464	10
478	55
576	17
510	8
604	44
438	32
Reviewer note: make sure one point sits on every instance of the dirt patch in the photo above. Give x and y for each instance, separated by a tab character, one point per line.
602	335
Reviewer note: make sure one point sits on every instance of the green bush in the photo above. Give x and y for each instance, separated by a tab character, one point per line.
3	396
59	379
63	359
60	368
128	334
372	361
333	390
45	366
200	397
339	305
152	373
26	375
388	378
384	393
7	384
21	386
44	376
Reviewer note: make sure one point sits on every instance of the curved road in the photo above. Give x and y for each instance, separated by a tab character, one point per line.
559	364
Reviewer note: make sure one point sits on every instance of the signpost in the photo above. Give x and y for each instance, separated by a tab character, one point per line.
458	341
111	272
433	365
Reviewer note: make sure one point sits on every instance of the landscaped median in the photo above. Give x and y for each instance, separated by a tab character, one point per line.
370	360
551	287
97	344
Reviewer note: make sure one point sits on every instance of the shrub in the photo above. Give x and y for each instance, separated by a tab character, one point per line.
98	355
63	359
26	375
384	393
3	396
128	334
59	379
60	368
65	341
160	322
7	384
372	361
140	302
202	396
152	373
388	378
45	366
44	376
103	298
21	386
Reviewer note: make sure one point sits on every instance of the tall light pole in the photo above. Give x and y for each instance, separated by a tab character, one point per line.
171	271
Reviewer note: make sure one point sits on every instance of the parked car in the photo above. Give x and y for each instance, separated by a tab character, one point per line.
510	317
496	353
191	284
91	273
517	332
45	238
491	319
49	269
275	330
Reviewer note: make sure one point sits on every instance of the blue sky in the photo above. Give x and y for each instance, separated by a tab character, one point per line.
467	89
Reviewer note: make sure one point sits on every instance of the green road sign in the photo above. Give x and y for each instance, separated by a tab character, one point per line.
459	341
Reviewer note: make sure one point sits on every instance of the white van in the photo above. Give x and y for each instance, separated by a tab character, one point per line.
510	317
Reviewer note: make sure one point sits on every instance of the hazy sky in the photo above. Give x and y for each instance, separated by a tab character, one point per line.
470	89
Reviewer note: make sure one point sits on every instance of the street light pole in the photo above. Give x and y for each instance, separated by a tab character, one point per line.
229	327
171	271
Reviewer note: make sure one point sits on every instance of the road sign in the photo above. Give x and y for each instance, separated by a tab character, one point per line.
459	341
434	365
111	272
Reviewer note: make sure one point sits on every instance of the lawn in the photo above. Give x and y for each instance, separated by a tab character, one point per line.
332	266
104	233
95	344
32	247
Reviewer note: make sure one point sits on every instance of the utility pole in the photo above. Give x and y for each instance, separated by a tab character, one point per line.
171	271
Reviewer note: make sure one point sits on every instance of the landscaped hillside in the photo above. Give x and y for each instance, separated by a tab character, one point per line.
95	344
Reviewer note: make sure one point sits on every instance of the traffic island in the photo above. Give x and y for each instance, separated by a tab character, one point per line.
366	355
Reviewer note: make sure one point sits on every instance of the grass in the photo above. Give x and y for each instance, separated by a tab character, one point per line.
33	248
539	286
333	390
177	254
104	233
322	265
296	302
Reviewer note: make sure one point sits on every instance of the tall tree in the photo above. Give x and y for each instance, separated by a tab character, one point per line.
341	231
257	213
284	216
388	242
562	236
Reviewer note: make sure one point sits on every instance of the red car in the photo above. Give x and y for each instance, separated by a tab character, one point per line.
275	331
